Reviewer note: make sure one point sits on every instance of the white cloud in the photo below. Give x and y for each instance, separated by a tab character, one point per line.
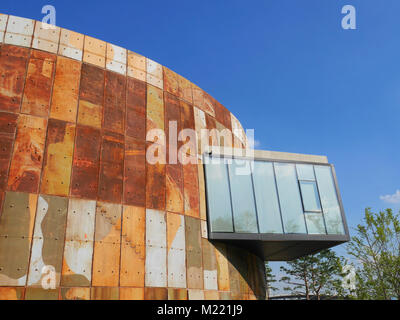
253	143
391	198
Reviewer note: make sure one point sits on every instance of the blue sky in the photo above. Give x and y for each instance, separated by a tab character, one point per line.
284	67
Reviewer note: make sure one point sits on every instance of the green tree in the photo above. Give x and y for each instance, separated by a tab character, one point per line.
271	279
376	248
314	275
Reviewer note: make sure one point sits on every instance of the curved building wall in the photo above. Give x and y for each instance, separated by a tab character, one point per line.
78	198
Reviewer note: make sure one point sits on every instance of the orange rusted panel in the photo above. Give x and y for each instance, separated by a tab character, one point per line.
223	115
131	293
211	295
209	104
37	92
193	253
104	293
187	118
66	90
26	163
75	293
134	172
155	108
107	247
174	188
133	246
185	89
85	168
155	294
209	266
111	167
135	109
41	294
171	84
91	96
57	164
7	293
13	65
198	96
16	230
8	125
222	267
155	185
114	102
202	192
191	190
177	294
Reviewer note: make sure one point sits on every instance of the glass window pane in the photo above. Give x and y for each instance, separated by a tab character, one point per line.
269	217
315	223
305	172
244	210
218	198
289	198
329	200
309	193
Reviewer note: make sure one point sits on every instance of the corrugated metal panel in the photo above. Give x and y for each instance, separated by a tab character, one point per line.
222	267
38	85
114	103
134	172
41	294
155	293
106	259
133	247
78	252
91	96
135	109
98	293
27	159
11	293
64	106
193	253
48	242
75	293
111	167
156	249
177	294
85	168
16	229
57	164
131	293
210	266
176	250
8	125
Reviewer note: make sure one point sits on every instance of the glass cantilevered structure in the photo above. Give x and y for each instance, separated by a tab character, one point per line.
279	205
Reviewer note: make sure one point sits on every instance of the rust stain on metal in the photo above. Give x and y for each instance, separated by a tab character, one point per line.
191	190
13	65
177	294
104	293
38	84
222	266
41	294
27	158
155	185
155	109
185	89
8	125
155	293
114	102
131	293
133	246
135	172
85	167
171	83
57	164
193	253
75	293
15	293
91	96
135	109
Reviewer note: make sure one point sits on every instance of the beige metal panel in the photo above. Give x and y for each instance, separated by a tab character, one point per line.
156	266
19	31
157	82
108	222
71	44
154	68
194	294
17	39
211	295
95	46
48	242
46	37
116	66
3	21
202	191
176	250
222	267
204	232
41	294
136	73
136	61
45	45
210	273
116	53
94	59
156	228
131	293
80	220
193	253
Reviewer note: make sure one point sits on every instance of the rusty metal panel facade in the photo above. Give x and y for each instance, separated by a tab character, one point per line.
155	108
156	249
171	83
195	294
222	266
64	102
94	52
177	294
26	163
91	96
194	261
114	102
75	293
211	295
202	191
16	230
185	89
191	190
107	246
134	172
155	181
8	126
210	273
133	246
38	85
135	109
155	293
57	163
33	293
131	293
13	66
104	293
11	293
71	44
85	165
111	168
176	250
19	31
48	238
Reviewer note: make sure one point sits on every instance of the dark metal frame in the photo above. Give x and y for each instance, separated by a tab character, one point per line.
276	237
